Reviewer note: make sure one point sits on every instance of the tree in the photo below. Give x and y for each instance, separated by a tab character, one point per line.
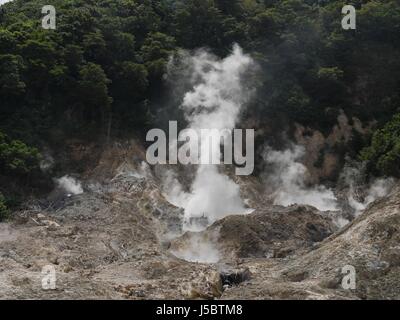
131	81
230	7
8	43
16	157
4	211
199	23
94	46
156	50
383	155
156	46
123	46
11	83
93	87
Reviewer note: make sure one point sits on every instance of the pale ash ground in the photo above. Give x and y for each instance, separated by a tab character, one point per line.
112	242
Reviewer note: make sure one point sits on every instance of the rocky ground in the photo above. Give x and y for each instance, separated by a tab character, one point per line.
119	240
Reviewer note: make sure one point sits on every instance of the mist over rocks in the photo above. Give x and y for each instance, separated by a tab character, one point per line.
275	232
287	181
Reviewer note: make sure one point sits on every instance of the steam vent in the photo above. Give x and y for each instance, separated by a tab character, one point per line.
189	156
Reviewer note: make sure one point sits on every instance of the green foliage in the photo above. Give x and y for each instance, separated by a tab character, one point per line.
4	211
300	45
104	65
10	75
93	85
383	155
131	80
94	46
333	74
16	157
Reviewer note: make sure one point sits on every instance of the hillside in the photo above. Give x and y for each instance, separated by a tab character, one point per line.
114	242
79	108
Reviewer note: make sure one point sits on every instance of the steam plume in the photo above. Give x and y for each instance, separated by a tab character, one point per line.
359	200
214	102
288	179
70	185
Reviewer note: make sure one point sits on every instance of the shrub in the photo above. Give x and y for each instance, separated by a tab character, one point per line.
16	157
383	155
4	211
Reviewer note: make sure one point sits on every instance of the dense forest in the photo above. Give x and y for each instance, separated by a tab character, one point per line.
101	72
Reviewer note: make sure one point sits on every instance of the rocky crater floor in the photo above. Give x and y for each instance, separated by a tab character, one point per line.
121	239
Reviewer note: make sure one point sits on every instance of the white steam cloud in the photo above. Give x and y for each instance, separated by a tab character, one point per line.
70	185
4	1
360	193
215	102
198	249
378	189
289	177
173	190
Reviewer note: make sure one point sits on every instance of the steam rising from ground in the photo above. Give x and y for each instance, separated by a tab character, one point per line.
288	179
360	199
198	249
214	102
70	185
173	190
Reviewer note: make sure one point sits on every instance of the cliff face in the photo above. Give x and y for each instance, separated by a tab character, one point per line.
122	239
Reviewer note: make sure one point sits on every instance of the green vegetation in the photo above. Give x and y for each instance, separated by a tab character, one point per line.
4	211
383	156
16	158
100	73
19	171
103	66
